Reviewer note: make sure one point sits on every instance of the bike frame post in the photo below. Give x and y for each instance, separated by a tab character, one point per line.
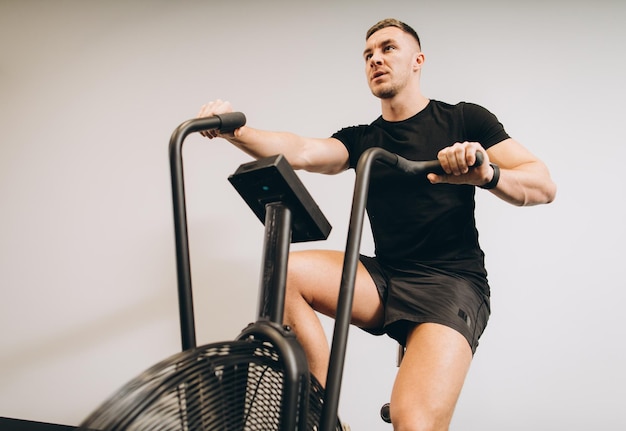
275	256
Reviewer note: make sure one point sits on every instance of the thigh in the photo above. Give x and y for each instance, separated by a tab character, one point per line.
316	275
430	377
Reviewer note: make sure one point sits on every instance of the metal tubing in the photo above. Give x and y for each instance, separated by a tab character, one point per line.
185	298
275	256
328	419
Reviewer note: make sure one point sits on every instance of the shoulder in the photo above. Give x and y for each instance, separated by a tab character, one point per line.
474	110
461	106
476	115
359	127
348	135
482	125
460	111
356	139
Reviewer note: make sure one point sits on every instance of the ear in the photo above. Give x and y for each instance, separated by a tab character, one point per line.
418	61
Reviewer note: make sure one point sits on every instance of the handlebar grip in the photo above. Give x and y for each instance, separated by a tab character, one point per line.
231	121
431	166
418	167
223	122
479	159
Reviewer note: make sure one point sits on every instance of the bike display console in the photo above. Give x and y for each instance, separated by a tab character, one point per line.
272	179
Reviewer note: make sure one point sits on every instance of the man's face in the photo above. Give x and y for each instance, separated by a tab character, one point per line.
390	58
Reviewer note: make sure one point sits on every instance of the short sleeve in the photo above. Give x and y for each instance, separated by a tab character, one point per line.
482	126
350	137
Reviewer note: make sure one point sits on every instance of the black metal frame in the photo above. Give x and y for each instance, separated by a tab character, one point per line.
276	204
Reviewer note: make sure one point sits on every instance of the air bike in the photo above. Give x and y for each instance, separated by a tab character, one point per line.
260	381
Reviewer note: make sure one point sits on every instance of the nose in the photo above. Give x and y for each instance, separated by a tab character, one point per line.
376	59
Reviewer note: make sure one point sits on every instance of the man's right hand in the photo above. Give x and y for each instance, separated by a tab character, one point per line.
217	107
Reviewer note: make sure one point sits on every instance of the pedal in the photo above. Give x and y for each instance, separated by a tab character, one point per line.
385	414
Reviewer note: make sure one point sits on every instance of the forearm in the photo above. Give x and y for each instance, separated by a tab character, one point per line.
262	143
321	155
525	185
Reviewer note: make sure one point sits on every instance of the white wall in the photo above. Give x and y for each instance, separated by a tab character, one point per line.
91	91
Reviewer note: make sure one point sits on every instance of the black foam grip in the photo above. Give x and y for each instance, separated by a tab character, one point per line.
479	159
231	121
430	166
418	167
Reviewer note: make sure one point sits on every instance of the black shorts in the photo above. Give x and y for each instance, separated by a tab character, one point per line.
422	294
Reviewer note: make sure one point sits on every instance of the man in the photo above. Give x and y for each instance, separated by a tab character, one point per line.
427	285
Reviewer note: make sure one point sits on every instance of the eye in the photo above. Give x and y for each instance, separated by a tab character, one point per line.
389	48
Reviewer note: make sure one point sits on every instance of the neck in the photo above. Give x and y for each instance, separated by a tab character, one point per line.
401	107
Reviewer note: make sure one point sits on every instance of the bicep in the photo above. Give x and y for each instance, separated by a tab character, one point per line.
510	154
322	155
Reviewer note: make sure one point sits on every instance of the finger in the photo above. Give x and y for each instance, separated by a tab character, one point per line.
472	157
445	160
207	110
433	178
463	154
472	151
455	159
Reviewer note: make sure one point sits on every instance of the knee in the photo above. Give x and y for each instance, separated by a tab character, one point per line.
420	420
314	276
302	278
296	273
307	271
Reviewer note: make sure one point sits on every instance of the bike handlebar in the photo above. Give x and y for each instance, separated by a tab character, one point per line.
425	167
224	123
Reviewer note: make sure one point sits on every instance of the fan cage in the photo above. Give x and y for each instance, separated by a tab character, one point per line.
230	386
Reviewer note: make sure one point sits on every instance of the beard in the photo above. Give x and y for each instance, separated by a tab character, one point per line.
386	91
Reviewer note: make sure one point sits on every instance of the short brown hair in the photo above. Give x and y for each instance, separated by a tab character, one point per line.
392	22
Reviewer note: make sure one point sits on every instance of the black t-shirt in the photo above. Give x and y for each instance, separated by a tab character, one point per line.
411	219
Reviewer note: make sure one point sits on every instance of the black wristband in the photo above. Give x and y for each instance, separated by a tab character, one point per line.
494	180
